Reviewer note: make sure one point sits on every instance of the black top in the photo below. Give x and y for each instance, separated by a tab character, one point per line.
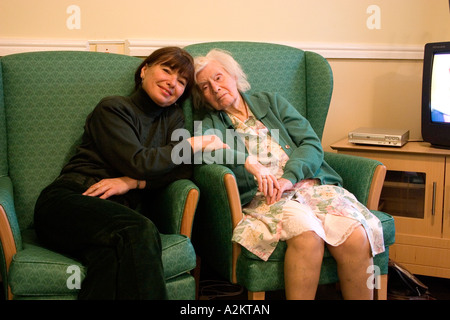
130	136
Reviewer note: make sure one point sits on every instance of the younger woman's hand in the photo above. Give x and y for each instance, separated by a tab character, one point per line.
207	143
110	187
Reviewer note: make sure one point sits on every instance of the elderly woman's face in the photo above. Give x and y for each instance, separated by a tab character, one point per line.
218	87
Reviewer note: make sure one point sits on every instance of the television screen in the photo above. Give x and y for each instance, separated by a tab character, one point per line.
436	94
440	88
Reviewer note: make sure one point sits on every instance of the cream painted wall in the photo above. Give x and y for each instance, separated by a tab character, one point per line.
374	93
368	92
402	21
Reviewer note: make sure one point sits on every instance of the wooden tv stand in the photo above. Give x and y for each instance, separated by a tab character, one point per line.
417	193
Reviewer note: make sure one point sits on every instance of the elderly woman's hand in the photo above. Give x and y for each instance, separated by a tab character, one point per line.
284	185
267	182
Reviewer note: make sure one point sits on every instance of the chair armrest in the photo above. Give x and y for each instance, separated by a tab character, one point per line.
362	176
10	237
223	189
219	212
9	218
175	207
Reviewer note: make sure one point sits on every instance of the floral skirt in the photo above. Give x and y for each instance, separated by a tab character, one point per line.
330	211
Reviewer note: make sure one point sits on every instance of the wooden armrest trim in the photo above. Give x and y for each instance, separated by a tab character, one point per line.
189	212
234	201
375	188
7	239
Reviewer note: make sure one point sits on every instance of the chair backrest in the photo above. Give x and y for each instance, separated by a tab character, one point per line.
304	78
45	98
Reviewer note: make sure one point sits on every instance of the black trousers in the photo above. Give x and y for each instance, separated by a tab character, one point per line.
120	247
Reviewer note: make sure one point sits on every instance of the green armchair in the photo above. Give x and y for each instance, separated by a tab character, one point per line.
44	100
306	80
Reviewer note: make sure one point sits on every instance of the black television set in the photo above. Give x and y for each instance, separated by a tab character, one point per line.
436	94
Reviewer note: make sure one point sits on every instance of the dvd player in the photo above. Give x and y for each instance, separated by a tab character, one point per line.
379	136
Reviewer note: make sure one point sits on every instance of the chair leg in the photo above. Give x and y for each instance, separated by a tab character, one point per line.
381	293
10	295
196	274
261	295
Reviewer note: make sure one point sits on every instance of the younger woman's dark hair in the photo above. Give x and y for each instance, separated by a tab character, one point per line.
177	59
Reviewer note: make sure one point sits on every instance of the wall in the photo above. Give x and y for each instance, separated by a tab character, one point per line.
374	46
374	93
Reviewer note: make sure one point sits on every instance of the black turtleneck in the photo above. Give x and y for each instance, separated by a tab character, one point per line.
130	136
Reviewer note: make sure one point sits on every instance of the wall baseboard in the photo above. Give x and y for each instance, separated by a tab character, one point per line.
142	48
328	50
11	46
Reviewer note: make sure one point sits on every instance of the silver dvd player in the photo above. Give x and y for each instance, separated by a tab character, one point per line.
379	136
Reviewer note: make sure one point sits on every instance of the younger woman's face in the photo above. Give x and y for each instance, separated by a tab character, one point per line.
163	85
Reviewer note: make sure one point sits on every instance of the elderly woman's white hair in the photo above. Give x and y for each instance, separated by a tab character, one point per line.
231	66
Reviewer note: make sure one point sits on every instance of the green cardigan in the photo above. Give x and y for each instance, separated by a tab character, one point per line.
295	134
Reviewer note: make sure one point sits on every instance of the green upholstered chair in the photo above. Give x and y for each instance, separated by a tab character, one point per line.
306	80
44	100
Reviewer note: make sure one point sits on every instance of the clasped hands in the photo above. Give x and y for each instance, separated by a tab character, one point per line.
268	184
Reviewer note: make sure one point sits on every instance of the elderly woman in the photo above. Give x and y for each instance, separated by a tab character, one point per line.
287	190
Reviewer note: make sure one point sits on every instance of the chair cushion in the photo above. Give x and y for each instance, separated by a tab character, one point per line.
387	221
37	271
178	255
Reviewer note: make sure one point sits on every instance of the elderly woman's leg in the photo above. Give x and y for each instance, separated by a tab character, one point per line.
353	258
302	264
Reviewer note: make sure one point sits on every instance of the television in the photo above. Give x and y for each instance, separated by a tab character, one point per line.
436	94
